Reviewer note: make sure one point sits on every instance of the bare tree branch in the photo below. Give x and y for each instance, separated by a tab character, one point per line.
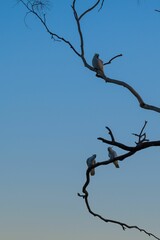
141	136
101	5
142	144
110	133
89	10
132	151
142	104
52	34
119	55
79	28
35	7
122	224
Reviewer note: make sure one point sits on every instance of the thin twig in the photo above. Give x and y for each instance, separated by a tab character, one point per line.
47	29
101	5
141	136
119	55
88	10
110	133
79	28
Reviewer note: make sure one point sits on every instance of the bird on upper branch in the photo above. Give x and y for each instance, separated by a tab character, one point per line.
97	63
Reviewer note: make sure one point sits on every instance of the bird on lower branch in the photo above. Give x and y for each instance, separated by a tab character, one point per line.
112	154
90	162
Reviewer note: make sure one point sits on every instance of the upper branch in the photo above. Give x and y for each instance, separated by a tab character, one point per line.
79	28
119	55
43	21
88	10
133	91
141	136
29	5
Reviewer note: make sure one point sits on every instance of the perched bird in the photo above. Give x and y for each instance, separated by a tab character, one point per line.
97	64
112	154
90	162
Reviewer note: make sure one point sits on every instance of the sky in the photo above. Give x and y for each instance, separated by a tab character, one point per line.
53	109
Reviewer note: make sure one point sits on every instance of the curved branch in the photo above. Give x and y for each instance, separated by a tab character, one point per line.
142	104
79	28
117	144
109	62
110	133
138	147
141	136
81	55
85	194
88	10
122	224
43	21
101	5
131	150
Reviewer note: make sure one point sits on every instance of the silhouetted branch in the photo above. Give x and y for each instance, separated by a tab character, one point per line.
142	104
35	7
101	5
131	151
109	62
79	28
43	21
89	10
141	136
110	133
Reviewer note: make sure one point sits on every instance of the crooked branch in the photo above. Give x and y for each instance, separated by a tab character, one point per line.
52	34
79	29
110	61
142	104
89	10
141	136
85	194
130	150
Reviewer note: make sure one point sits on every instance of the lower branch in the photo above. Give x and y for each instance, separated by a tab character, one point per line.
123	225
85	196
130	151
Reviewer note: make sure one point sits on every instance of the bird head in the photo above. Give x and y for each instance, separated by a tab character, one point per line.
96	55
109	149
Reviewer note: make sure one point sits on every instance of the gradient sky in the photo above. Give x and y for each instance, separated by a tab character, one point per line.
53	109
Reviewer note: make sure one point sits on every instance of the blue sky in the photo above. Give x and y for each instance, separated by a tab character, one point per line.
53	109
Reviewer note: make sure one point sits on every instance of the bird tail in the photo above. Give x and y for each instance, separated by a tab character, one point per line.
92	172
116	164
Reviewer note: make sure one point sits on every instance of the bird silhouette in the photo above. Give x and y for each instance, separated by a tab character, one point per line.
90	162
97	63
112	154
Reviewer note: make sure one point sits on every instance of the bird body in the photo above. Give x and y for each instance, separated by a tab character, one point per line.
112	154
97	63
90	162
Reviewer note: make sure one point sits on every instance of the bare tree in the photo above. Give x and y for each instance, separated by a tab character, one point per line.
36	7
